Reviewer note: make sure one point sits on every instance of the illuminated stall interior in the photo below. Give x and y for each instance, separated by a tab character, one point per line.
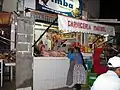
61	41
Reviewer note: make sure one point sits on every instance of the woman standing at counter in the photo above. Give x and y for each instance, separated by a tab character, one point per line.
71	56
76	73
79	73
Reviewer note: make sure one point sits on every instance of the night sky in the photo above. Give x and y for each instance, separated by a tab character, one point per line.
110	9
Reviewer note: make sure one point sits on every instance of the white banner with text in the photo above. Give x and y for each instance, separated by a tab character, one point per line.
68	24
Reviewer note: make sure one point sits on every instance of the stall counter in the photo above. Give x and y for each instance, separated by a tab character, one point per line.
49	72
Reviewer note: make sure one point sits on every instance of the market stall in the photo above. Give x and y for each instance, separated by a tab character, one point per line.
5	36
7	55
50	66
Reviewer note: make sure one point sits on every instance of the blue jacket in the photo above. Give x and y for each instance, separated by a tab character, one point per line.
71	56
80	59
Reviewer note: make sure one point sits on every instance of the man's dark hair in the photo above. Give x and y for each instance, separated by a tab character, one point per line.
118	55
70	50
112	68
78	49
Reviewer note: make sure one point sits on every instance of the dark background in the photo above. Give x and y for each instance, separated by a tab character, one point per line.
110	9
4	44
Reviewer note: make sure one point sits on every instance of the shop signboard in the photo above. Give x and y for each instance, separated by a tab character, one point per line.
68	24
68	7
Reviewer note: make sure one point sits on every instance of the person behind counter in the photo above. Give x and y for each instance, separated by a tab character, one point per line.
48	43
41	47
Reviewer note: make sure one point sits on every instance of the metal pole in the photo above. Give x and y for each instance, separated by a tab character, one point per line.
105	42
6	39
4	42
96	40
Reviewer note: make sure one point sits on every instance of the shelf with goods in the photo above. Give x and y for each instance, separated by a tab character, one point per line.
57	34
62	41
83	40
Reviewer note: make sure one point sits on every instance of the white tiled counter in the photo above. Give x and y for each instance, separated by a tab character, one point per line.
49	72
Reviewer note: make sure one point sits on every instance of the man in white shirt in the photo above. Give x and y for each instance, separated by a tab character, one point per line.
109	80
48	43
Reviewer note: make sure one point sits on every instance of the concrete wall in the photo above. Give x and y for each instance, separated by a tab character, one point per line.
24	58
29	3
9	5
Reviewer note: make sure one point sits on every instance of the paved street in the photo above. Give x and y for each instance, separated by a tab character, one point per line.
69	89
11	86
8	85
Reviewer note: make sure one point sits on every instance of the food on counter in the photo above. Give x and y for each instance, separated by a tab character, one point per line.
63	53
45	54
53	54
